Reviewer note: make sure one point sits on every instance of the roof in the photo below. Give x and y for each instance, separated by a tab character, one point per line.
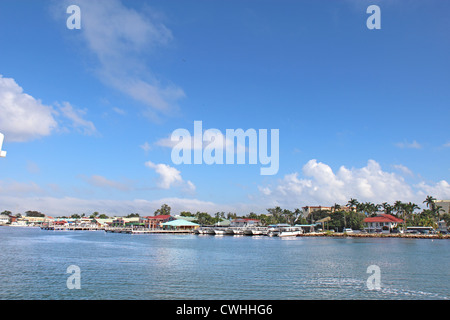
180	223
160	217
383	218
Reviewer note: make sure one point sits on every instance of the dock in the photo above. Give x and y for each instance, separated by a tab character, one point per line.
144	231
72	228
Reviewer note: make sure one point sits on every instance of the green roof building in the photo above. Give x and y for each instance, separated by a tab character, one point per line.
180	224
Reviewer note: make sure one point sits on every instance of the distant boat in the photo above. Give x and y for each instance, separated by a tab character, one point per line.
259	231
289	231
235	231
219	231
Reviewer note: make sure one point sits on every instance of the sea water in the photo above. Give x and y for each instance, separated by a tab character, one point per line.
34	264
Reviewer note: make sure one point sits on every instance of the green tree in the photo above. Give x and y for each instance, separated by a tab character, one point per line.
352	203
430	201
204	218
34	214
164	210
94	215
387	208
186	214
133	215
436	211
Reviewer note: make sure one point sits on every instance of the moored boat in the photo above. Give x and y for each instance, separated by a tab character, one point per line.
289	232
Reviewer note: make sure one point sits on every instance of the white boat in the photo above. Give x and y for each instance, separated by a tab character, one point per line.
259	231
289	232
235	231
219	231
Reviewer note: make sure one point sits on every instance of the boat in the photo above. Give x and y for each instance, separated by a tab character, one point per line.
219	231
234	231
289	232
259	231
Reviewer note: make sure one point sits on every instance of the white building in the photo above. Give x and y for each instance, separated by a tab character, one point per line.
4	219
445	204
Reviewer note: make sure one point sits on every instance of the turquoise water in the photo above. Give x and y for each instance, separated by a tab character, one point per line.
34	262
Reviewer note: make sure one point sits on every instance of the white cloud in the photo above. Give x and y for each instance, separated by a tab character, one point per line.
146	147
76	118
403	169
67	206
17	188
440	190
409	145
122	38
321	186
23	118
169	177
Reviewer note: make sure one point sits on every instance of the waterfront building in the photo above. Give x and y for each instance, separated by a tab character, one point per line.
444	204
382	222
311	209
37	221
244	222
101	223
180	225
122	222
155	222
4	219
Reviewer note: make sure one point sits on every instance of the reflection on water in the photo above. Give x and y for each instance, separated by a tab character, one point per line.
33	265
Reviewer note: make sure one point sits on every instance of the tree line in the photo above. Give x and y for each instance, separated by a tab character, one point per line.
349	215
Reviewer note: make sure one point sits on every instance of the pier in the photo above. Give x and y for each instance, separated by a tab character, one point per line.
72	228
144	231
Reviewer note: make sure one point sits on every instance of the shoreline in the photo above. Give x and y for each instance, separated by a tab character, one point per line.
375	235
310	234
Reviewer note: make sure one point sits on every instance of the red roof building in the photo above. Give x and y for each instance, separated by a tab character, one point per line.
382	221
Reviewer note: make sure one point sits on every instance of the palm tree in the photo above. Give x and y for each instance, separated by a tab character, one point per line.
297	214
398	206
336	207
437	210
387	208
408	209
352	203
430	202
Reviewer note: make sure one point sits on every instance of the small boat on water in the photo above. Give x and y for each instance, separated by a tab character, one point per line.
219	231
234	231
289	232
259	231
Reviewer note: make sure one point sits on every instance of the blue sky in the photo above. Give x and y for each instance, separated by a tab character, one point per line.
86	113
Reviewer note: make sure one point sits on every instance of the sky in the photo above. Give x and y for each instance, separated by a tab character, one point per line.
88	113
